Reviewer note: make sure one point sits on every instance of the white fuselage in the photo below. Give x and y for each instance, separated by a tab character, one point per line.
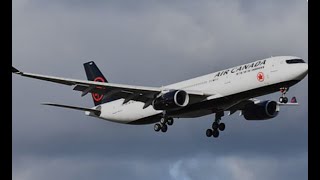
258	74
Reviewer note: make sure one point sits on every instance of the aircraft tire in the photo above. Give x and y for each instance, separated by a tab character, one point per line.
163	120
209	132
157	127
170	121
222	126
215	133
164	128
281	99
215	125
285	100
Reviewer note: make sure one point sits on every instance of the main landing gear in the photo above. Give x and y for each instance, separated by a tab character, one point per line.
163	124
216	126
283	98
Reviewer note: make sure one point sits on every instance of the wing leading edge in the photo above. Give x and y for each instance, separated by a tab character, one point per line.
115	91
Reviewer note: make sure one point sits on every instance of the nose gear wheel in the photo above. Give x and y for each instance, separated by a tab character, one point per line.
283	98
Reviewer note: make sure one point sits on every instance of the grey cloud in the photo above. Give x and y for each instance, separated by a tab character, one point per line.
198	166
235	167
151	43
162	34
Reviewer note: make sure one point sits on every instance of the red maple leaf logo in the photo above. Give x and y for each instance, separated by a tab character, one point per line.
260	77
98	97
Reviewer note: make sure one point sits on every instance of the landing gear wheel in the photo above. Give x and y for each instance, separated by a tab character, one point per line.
215	133
285	99
164	128
215	125
209	132
281	99
222	126
157	127
163	120
170	121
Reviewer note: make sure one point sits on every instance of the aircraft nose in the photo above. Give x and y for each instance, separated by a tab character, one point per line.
303	70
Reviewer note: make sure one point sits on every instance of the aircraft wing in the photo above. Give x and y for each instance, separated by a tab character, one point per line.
111	90
242	104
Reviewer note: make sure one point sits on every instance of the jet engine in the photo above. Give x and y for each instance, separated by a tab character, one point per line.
171	100
261	111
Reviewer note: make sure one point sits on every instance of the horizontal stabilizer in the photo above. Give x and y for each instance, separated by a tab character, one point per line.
95	111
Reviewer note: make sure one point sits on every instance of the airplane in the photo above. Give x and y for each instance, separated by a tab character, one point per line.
230	90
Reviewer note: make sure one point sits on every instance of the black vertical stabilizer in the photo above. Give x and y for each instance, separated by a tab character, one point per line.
94	74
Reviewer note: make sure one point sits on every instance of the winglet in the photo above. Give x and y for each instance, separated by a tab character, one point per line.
16	71
294	100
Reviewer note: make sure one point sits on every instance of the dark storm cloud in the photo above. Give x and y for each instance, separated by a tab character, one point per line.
152	43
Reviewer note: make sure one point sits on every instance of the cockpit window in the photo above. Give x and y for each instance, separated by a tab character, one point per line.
294	61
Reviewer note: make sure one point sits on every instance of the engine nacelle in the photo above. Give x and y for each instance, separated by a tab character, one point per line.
171	100
261	111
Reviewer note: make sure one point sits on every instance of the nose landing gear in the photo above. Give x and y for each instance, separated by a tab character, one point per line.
283	98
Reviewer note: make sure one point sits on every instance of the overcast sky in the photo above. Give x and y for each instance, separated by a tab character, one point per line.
152	43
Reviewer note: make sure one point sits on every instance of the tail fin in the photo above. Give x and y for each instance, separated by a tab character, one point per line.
94	74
